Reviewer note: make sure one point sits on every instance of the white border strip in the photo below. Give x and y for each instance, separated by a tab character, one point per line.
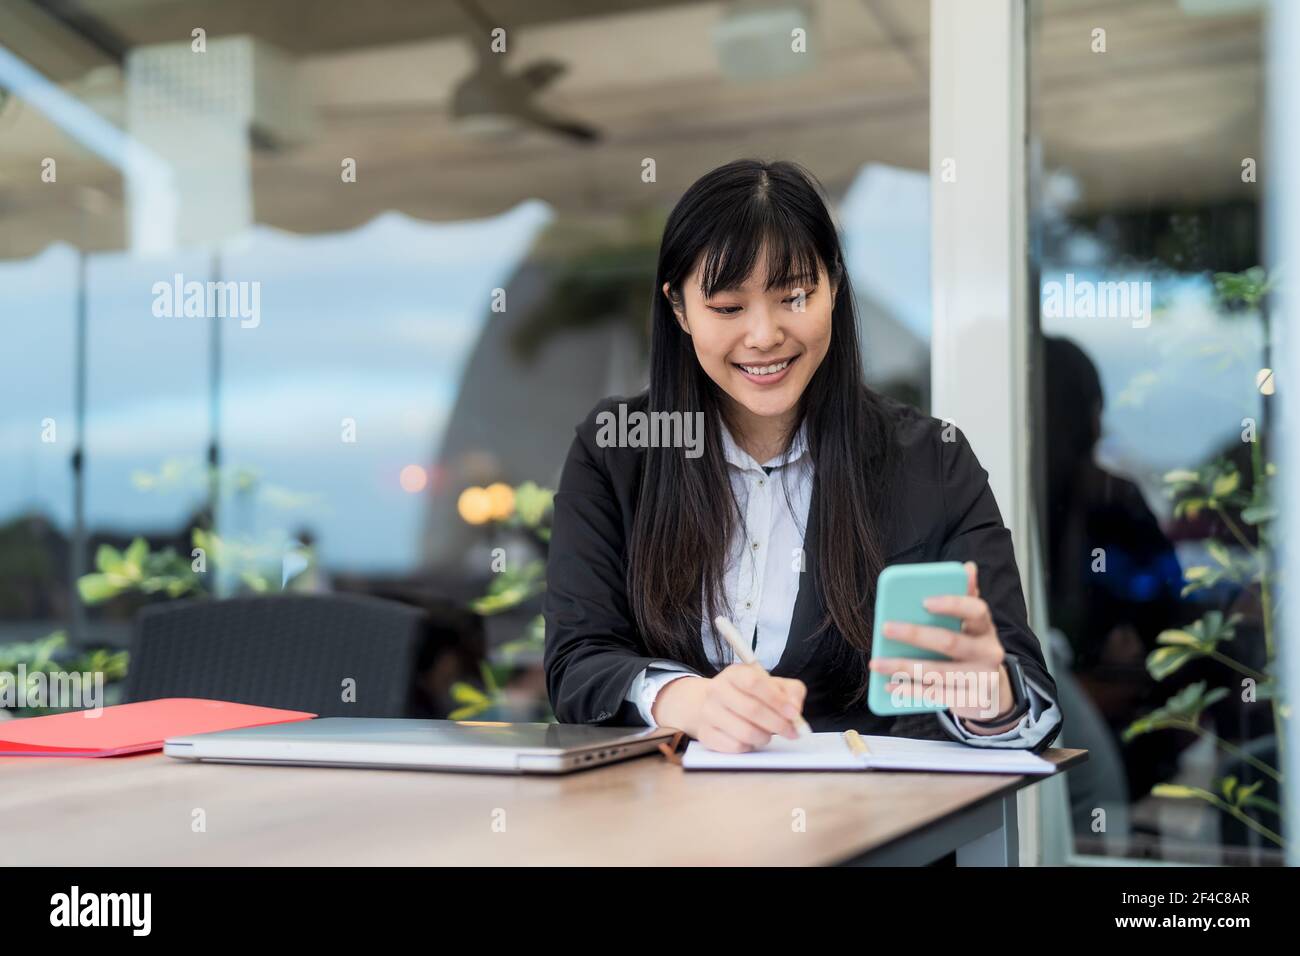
1283	244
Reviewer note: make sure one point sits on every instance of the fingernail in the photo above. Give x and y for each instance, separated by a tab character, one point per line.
891	629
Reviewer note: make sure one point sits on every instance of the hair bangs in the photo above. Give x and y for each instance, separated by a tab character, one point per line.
733	249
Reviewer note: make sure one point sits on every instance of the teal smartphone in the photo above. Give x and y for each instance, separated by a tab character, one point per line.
900	590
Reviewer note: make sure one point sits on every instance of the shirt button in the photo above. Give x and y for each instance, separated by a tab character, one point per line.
748	605
755	545
760	482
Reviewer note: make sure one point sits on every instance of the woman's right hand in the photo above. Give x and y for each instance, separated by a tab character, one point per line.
738	710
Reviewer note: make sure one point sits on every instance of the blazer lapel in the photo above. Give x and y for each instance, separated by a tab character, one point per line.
808	609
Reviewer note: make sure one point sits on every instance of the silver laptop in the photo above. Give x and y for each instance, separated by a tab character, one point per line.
470	745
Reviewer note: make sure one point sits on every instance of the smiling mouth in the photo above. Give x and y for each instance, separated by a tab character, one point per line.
770	370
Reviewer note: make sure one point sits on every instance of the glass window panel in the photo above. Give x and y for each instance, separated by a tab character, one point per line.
459	264
1145	121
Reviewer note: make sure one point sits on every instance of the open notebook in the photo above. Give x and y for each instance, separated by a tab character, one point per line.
853	751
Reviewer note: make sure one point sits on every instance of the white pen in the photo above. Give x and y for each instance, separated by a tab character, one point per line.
728	631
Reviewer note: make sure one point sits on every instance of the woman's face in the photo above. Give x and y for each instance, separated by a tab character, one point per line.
761	348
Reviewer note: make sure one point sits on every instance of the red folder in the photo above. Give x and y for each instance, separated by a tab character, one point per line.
131	728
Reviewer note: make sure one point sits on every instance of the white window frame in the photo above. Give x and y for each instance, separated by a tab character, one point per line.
979	358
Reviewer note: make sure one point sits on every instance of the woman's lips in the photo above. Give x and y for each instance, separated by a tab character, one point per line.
770	378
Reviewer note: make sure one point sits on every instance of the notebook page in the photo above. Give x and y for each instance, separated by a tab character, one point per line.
828	751
815	752
906	753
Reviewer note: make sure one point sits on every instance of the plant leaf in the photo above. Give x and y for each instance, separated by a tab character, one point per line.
1219	552
108	559
96	588
1176	636
1177	791
1227	785
464	693
1225	484
136	553
1164	661
1258	514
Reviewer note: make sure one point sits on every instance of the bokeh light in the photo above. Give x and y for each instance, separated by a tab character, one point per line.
413	479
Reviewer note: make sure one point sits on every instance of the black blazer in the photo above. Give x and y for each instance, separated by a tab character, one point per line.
944	512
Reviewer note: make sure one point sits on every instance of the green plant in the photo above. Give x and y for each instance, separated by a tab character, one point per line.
43	657
1216	488
473	701
138	570
252	564
1244	289
1232	798
135	569
509	588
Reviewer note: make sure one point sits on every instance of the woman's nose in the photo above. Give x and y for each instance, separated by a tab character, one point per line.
764	330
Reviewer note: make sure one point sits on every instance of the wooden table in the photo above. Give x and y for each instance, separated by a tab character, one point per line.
142	810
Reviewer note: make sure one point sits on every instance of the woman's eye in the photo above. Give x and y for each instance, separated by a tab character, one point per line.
725	309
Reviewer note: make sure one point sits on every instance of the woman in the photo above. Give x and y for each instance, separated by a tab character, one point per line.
772	486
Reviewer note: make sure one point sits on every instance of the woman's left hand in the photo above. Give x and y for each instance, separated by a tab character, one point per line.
974	681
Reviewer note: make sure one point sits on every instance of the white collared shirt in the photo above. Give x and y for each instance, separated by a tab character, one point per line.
761	583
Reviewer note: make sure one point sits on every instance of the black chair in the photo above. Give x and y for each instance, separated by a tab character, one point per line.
288	651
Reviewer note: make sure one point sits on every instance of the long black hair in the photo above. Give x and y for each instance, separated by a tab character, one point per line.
686	513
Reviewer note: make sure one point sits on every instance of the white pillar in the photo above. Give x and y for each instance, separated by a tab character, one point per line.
979	345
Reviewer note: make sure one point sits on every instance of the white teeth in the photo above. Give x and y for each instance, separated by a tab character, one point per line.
765	369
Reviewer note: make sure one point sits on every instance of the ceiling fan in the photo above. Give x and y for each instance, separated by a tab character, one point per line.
492	101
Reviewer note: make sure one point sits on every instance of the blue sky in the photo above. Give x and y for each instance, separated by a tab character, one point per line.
375	324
